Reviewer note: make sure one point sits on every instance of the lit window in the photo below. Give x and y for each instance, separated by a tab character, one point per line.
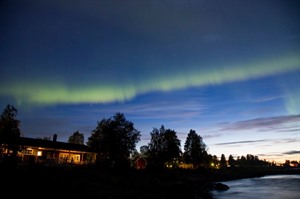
27	152
39	153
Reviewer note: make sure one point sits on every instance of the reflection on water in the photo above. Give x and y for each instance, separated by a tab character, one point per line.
275	187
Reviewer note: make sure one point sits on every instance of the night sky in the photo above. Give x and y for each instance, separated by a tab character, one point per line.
230	70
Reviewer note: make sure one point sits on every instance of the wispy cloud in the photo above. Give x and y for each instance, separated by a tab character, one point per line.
267	99
286	140
273	123
297	129
275	155
212	135
242	142
291	152
167	107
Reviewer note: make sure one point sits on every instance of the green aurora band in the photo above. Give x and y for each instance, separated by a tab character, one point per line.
51	93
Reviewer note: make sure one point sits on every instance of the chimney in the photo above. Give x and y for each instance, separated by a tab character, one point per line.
54	137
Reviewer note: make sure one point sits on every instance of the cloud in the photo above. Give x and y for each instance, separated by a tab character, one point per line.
168	106
290	130
166	109
214	135
278	155
271	154
286	140
273	123
291	152
267	99
242	142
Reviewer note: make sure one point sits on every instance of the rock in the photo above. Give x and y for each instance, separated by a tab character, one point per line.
219	186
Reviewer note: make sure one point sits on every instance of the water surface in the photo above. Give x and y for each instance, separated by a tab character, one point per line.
273	186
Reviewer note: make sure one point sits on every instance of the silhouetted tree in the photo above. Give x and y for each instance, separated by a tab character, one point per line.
76	138
164	147
134	154
215	161
9	133
9	127
194	149
208	160
249	159
252	161
114	139
242	161
294	163
223	163
144	150
231	161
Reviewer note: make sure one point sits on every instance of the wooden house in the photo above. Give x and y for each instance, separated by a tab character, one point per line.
54	152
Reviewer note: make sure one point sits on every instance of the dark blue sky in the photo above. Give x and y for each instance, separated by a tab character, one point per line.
228	69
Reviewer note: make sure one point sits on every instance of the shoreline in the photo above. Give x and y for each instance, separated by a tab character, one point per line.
251	172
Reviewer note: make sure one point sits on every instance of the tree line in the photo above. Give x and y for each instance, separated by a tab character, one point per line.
115	138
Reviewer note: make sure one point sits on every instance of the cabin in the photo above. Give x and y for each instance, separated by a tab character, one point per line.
52	152
140	163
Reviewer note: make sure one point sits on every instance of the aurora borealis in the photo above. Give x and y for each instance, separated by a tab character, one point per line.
229	70
98	92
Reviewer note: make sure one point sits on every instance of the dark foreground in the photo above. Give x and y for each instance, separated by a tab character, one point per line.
90	182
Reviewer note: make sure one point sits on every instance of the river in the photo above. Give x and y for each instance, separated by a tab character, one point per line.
273	186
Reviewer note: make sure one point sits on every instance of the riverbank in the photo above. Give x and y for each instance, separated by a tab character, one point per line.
229	174
90	182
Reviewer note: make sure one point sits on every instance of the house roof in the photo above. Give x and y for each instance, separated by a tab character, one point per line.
24	141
